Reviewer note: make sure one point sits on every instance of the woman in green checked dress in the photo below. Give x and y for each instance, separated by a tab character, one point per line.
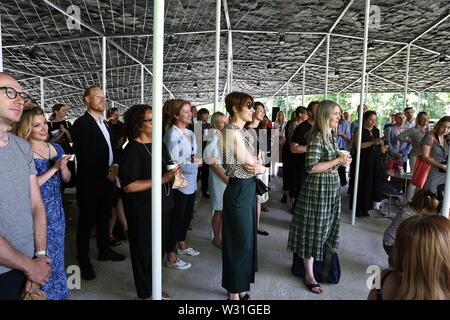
318	208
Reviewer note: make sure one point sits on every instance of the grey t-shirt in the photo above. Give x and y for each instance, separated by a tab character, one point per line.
16	221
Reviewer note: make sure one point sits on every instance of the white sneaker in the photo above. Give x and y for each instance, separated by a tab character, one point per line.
378	205
178	264
188	251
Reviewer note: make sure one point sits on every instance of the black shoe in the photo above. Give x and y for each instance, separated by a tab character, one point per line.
122	236
114	241
87	272
284	199
262	232
110	255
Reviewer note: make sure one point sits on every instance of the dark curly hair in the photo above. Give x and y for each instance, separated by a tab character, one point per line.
133	119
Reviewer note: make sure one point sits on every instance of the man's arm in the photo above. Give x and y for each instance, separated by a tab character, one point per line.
12	258
39	216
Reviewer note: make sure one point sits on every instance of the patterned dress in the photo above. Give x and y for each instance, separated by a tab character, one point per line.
317	211
56	288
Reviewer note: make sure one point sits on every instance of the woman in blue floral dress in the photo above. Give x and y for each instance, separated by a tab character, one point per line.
51	165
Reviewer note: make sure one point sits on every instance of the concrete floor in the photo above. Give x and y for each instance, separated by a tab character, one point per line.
361	246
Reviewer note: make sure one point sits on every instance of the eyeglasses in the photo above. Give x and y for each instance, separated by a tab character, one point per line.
12	93
250	105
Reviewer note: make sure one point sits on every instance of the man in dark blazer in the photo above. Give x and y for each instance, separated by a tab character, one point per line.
97	171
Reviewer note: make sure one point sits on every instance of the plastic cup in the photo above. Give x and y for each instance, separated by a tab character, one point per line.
344	153
171	166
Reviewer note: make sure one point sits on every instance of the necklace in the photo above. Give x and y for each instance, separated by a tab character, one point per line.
166	188
146	148
49	155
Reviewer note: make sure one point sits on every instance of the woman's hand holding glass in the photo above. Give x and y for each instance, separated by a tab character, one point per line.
344	160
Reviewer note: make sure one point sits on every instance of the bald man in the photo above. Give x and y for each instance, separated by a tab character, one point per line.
23	227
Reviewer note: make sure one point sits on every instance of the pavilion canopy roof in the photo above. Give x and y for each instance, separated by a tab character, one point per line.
40	41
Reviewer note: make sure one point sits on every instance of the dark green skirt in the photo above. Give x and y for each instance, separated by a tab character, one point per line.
239	252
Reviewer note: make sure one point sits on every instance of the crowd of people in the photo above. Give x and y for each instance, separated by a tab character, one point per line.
231	156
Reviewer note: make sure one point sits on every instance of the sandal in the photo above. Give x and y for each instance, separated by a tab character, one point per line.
311	286
244	297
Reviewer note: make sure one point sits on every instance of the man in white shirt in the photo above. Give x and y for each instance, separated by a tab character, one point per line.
96	173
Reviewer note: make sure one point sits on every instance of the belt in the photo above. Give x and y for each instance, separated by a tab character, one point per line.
326	172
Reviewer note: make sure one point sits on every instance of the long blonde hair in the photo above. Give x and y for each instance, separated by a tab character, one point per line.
422	258
23	128
322	119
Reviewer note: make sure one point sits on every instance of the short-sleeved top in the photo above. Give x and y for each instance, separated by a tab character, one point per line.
438	153
300	136
136	165
16	221
233	169
321	149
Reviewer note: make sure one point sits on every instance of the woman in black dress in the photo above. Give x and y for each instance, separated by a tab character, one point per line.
368	184
59	128
135	176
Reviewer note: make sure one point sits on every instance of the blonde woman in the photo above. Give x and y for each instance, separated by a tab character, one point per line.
217	178
318	208
182	147
418	273
51	166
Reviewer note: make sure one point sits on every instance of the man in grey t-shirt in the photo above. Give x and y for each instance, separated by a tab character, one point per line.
23	228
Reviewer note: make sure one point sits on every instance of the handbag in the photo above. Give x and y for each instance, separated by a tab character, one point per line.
421	170
261	188
179	182
328	270
420	173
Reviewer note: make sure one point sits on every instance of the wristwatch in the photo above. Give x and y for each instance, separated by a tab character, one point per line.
41	253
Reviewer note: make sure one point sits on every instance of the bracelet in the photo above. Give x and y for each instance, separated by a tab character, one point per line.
41	253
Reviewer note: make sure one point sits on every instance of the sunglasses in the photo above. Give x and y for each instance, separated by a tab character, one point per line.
12	93
250	105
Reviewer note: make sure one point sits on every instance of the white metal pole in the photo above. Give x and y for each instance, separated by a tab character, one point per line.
446	203
360	120
367	89
217	61
157	95
327	65
287	97
405	97
42	92
142	83
230	57
1	45
303	85
230	52
104	64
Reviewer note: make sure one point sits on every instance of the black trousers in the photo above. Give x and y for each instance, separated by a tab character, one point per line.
11	284
94	198
181	217
204	176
